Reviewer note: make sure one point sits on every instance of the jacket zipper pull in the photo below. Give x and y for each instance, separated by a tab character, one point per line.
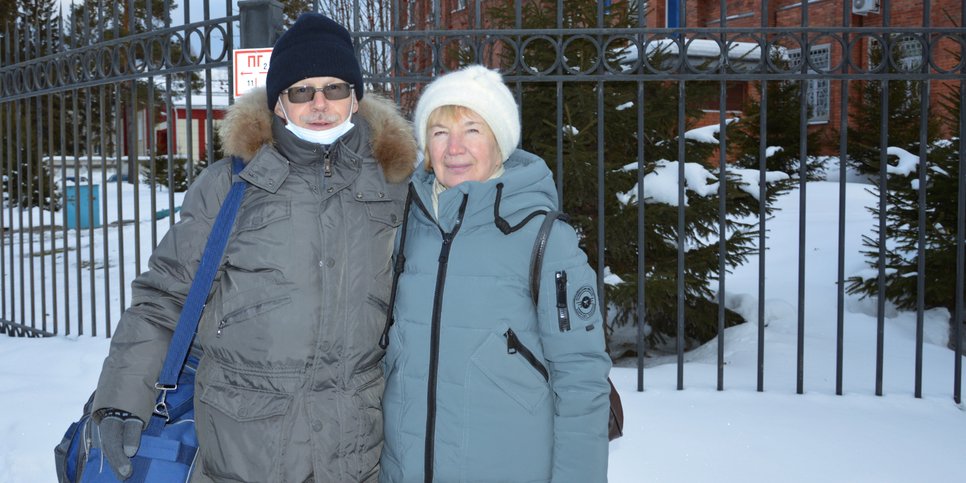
327	165
563	315
511	341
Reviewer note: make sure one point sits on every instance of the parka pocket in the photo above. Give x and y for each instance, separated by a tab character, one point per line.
512	373
259	215
240	430
369	385
386	212
382	217
514	346
251	311
261	243
243	405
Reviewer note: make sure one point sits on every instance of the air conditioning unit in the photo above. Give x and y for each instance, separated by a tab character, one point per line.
865	7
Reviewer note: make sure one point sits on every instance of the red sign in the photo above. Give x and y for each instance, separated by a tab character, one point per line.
251	67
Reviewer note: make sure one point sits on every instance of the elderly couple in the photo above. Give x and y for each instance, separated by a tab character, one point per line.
294	385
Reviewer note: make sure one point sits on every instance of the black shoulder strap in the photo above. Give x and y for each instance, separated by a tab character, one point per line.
539	248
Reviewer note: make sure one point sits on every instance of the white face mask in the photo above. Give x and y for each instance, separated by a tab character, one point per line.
327	136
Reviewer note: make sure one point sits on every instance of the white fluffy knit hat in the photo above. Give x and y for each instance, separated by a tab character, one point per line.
479	89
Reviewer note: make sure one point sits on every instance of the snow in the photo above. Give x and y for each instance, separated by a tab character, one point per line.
906	164
693	435
706	134
748	179
748	51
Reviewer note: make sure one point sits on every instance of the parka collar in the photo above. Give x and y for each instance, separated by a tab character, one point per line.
527	185
247	127
304	152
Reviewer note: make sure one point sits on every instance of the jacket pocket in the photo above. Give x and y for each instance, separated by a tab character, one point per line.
242	404
514	346
261	214
512	373
251	311
240	431
369	385
386	211
260	247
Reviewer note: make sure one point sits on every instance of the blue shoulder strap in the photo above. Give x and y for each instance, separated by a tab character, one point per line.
198	293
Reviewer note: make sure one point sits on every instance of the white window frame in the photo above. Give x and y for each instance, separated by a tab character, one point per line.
410	14
819	95
910	59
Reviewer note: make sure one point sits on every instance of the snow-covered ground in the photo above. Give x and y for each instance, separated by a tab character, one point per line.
695	435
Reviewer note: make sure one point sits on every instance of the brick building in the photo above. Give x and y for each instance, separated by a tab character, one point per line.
826	50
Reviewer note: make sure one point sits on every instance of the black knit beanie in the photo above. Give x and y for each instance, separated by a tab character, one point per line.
316	46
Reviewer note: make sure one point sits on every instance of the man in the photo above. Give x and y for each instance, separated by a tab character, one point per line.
289	382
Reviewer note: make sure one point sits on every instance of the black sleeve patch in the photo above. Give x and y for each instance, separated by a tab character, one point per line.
585	302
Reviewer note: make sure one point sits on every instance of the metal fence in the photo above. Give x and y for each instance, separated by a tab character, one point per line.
96	101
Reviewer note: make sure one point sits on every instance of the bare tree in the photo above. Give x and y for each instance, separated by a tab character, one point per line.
374	20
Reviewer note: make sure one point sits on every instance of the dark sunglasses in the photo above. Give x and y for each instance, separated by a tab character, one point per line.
332	92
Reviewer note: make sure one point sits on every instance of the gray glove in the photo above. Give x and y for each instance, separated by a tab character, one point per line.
120	434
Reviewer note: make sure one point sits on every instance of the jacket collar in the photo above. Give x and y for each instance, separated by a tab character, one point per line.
527	185
247	129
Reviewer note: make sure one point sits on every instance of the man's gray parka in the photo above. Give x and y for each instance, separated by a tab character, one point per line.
289	385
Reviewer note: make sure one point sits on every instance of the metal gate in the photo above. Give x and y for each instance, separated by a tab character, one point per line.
115	93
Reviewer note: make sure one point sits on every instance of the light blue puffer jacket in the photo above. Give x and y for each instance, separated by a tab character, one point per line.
481	385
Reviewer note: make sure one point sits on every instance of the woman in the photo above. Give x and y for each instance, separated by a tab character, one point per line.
481	384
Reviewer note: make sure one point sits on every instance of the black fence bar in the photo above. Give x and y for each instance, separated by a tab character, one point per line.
840	256
85	109
641	343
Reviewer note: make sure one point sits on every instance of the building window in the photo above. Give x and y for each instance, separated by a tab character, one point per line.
411	60
818	89
410	21
906	53
906	56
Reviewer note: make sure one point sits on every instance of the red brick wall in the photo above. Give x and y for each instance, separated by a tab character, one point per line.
747	14
789	13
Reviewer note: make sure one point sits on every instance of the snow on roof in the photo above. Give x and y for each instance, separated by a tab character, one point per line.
745	51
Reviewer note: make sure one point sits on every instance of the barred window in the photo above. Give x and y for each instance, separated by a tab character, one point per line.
818	89
410	14
908	53
907	56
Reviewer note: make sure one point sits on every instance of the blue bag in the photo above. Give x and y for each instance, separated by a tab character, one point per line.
167	450
168	443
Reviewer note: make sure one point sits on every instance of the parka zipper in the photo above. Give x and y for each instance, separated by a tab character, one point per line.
563	314
327	162
434	340
514	346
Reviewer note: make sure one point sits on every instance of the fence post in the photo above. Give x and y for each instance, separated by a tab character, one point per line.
261	22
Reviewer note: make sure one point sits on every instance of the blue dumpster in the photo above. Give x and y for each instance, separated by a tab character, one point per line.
83	206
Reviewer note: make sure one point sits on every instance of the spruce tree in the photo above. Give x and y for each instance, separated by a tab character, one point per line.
902	225
783	131
33	27
580	175
865	128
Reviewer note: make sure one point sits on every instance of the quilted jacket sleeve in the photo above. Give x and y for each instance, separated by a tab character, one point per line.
571	329
144	331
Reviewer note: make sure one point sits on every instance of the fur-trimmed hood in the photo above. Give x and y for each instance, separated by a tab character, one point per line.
248	125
